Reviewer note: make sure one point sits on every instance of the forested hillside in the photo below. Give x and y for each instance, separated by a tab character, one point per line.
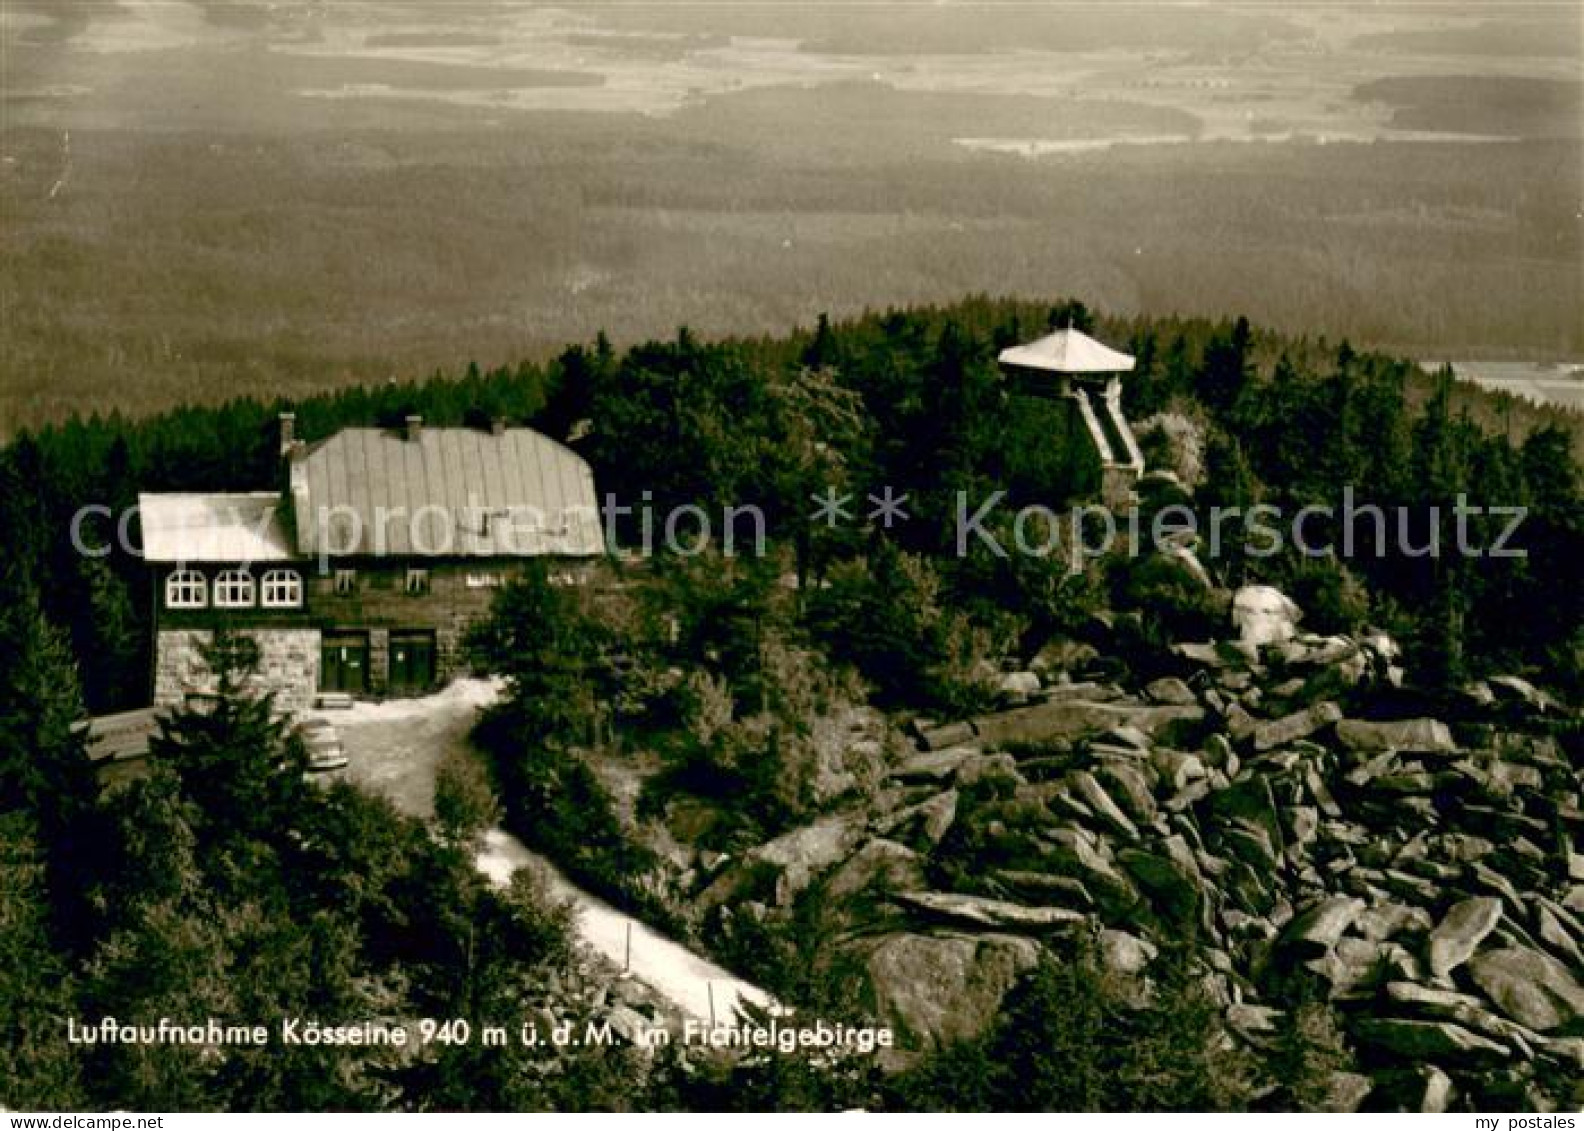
220	886
910	399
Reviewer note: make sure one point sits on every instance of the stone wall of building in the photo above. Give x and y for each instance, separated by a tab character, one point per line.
288	665
376	603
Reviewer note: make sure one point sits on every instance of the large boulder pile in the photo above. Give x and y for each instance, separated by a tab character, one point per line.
1421	878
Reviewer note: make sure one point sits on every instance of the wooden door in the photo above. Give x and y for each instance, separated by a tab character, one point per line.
412	662
344	662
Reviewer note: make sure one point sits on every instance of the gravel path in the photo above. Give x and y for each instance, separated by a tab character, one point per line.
393	749
692	983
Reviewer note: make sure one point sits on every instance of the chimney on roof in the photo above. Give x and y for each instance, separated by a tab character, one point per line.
497	426
288	432
414	426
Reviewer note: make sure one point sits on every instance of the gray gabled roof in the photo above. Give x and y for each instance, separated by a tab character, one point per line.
445	491
1067	351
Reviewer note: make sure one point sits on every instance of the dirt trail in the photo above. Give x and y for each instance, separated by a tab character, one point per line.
394	749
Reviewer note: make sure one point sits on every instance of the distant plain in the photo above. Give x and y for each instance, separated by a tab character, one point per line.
202	200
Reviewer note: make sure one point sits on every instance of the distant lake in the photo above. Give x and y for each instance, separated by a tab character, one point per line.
1544	382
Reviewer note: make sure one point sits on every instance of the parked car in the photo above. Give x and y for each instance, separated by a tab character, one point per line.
323	743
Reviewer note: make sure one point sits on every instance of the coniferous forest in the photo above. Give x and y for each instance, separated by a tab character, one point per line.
1254	908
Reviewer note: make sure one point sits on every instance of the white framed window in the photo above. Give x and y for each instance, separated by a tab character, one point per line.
417	582
345	581
186	589
489	580
281	589
233	589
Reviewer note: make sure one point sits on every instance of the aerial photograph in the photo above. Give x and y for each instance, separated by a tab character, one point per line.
899	556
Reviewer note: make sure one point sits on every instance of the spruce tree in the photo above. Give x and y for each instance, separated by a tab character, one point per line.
1227	366
549	649
44	767
37	1069
231	749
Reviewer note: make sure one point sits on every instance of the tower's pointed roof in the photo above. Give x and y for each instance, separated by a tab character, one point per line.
1067	351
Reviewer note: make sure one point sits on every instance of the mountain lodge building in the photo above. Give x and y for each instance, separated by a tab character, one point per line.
363	574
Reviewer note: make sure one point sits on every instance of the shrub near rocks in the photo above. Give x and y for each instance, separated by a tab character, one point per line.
1173	603
1069	1037
1332	597
1173	441
887	618
465	802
